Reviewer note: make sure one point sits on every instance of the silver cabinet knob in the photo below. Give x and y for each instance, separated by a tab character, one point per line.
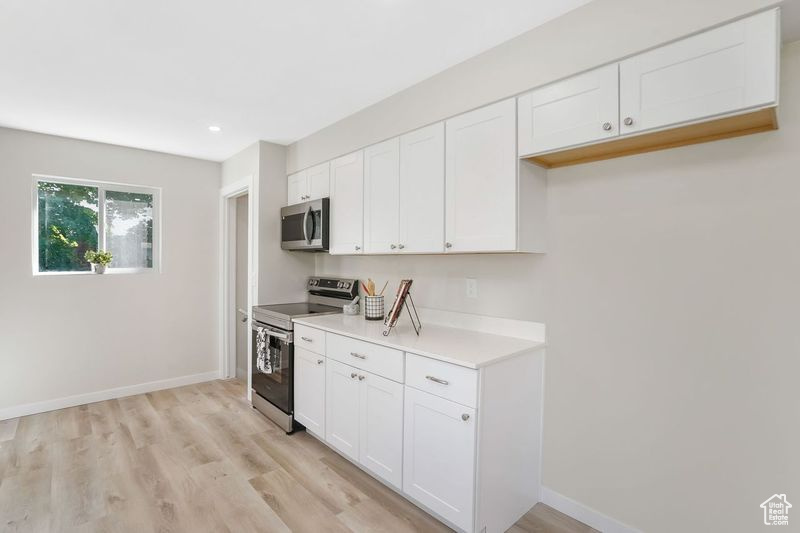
362	378
465	417
628	121
607	126
320	361
392	246
353	375
401	246
357	247
448	245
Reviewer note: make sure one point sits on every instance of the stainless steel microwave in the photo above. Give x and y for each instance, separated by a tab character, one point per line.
306	226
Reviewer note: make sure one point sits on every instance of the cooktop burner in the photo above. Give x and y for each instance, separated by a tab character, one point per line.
296	310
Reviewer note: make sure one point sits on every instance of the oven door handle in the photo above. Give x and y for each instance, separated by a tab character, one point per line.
272	333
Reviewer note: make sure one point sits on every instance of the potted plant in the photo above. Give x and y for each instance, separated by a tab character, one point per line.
99	260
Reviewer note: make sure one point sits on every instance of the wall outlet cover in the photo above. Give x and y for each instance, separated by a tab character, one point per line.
472	288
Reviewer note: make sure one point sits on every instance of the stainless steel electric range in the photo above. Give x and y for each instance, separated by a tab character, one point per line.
273	345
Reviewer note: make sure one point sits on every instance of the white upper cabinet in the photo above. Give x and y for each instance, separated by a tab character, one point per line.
422	190
581	109
309	390
347	204
481	179
309	184
381	193
318	181
724	70
296	188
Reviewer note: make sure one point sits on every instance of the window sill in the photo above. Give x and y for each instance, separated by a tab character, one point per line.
112	272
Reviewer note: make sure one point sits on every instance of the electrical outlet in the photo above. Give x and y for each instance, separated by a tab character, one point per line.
472	288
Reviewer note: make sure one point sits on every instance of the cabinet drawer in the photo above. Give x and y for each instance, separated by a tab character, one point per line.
379	360
309	338
448	381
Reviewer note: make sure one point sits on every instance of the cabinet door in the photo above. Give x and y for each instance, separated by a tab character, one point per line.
318	180
309	390
720	71
341	408
347	204
422	190
439	456
296	188
381	189
578	110
481	179
381	424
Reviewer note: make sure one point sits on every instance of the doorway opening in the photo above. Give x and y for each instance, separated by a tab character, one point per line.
238	280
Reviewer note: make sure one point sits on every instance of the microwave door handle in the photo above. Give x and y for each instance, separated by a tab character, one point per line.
309	234
305	225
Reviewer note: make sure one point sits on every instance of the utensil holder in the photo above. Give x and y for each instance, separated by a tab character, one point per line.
373	307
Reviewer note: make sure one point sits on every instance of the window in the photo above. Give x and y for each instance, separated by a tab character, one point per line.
72	217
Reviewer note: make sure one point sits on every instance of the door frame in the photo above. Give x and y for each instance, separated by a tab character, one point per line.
227	283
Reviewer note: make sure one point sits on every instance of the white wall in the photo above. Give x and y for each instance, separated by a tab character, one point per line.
670	289
673	302
282	274
240	166
69	335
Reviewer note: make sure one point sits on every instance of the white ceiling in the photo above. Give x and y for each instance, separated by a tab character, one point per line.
155	74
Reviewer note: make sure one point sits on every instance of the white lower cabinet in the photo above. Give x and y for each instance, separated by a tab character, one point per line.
341	408
439	456
364	420
416	427
381	428
309	390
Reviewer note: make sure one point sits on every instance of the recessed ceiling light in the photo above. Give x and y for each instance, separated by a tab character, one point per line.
215	129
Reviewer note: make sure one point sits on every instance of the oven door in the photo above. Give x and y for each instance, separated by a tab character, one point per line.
305	226
272	374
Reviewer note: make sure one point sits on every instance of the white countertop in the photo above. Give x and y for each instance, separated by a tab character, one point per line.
463	347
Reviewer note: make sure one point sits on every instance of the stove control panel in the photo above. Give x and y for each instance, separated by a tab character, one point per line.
335	287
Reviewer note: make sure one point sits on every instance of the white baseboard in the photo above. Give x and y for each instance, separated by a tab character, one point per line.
585	514
108	394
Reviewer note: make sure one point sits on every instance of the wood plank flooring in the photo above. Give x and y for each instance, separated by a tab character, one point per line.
195	459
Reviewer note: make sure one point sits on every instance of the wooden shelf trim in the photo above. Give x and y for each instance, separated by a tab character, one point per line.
713	130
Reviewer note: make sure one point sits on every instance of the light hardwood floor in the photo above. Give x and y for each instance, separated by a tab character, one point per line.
195	459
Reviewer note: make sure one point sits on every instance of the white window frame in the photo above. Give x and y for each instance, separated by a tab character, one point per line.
101	187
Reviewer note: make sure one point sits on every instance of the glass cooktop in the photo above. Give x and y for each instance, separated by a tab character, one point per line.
297	310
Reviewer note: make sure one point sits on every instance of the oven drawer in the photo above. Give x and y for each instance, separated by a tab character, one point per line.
379	360
452	382
309	338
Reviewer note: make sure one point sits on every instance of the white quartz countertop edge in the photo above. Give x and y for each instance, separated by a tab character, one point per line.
504	347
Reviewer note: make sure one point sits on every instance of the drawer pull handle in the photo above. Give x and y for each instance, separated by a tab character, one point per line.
353	375
354	354
307	339
465	417
437	380
362	378
320	361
